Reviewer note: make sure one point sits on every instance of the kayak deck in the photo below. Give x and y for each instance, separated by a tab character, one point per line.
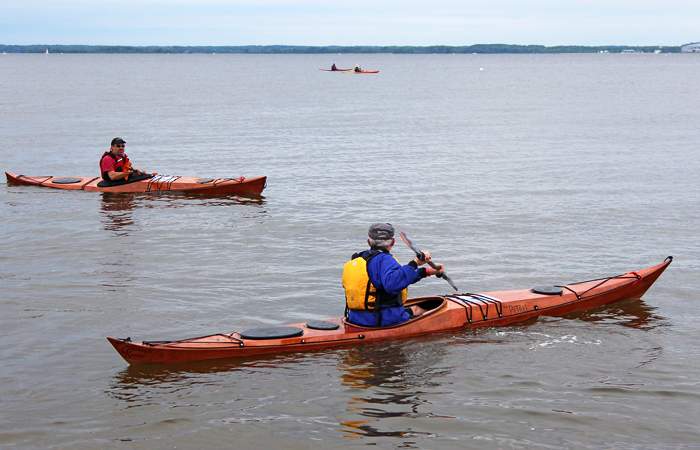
444	313
158	183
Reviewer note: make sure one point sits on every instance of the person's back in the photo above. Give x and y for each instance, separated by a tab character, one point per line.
376	284
333	67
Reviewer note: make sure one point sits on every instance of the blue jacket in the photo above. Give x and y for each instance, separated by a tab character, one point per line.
388	275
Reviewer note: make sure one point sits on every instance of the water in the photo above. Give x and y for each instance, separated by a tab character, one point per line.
538	169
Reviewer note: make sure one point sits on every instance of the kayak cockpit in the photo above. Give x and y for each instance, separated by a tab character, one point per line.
429	304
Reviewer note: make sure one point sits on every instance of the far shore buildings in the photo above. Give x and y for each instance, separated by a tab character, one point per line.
693	47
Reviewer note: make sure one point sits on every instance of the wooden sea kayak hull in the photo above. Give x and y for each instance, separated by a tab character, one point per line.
446	313
159	183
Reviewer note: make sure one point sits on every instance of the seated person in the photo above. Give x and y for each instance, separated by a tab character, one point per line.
333	67
358	69
116	167
375	283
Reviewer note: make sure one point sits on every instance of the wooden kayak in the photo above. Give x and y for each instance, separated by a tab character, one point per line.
444	313
158	183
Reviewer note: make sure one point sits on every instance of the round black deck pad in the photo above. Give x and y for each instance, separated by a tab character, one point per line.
66	180
205	180
321	325
271	333
547	290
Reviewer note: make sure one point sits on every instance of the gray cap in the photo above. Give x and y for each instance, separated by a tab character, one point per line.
381	231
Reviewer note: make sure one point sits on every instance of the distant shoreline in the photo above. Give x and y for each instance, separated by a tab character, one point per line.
300	49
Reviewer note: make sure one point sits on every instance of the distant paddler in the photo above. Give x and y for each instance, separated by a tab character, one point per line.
115	166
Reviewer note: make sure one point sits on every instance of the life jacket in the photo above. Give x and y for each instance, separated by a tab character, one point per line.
360	292
122	163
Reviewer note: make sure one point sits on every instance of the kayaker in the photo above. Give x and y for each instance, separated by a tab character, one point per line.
376	284
358	69
333	67
115	164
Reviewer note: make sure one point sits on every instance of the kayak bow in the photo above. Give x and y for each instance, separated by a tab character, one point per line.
444	313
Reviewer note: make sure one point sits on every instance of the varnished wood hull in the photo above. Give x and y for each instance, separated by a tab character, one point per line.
449	312
188	185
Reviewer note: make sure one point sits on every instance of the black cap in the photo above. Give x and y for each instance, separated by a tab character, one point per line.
381	231
118	140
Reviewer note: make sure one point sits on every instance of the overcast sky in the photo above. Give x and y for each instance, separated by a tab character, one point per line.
351	22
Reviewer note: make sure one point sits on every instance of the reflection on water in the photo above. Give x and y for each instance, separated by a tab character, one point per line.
117	212
633	313
117	208
392	379
136	385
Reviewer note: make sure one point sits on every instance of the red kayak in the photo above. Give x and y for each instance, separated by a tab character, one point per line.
365	71
158	183
444	313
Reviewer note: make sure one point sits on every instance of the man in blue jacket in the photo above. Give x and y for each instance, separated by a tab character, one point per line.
376	284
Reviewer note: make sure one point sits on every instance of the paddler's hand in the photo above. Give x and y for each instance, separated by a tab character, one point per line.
429	271
423	258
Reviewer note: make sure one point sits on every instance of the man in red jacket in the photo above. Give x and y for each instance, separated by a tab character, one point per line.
115	164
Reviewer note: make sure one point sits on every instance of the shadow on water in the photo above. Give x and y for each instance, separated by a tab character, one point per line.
117	208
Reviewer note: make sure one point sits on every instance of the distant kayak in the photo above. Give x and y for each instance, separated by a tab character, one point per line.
443	313
157	183
365	71
336	70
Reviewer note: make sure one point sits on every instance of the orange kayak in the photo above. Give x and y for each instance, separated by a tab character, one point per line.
158	183
444	313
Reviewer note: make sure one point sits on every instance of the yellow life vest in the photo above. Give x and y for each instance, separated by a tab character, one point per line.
360	293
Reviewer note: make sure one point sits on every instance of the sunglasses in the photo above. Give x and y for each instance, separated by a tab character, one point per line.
120	145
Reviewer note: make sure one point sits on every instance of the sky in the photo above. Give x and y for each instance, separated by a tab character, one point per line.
349	22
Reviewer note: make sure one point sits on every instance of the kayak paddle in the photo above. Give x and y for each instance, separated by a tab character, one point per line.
421	256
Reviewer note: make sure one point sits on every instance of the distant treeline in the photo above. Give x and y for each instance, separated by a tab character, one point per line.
290	49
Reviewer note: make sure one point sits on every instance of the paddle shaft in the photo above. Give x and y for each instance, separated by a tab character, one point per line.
421	256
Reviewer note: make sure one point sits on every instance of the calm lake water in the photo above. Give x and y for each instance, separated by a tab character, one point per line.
513	170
